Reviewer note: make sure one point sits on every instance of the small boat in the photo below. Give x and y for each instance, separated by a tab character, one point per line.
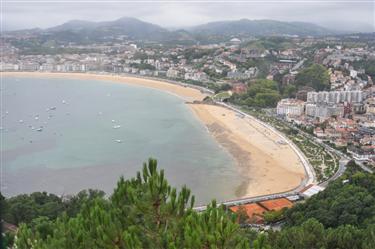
20	121
118	141
52	108
39	129
63	101
113	121
116	126
36	118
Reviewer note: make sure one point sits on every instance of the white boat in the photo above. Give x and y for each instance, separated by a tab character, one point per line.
118	141
63	101
39	129
116	126
20	121
113	121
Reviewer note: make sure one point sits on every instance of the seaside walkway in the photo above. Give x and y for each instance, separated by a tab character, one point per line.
309	171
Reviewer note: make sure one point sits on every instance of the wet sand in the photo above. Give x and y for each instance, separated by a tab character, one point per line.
269	167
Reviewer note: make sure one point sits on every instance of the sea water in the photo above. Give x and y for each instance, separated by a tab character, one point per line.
65	135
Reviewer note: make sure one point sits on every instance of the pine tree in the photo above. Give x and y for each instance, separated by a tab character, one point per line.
143	212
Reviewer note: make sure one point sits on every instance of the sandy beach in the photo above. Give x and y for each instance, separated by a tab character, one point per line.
269	166
187	93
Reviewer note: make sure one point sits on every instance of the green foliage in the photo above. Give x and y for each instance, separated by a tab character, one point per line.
146	212
351	203
193	53
274	216
261	93
368	65
213	74
312	234
270	43
6	240
24	208
315	76
142	66
143	212
220	87
289	91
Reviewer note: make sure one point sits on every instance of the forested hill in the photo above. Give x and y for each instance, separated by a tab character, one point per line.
146	212
79	31
260	28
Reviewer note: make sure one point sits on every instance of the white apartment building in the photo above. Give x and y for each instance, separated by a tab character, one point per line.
8	67
324	111
290	107
172	73
335	97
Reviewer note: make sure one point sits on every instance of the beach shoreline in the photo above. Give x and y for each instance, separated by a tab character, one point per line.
269	167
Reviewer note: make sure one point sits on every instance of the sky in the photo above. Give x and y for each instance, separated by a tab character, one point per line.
354	15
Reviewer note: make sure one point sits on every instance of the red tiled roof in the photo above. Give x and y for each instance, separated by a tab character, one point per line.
253	211
276	204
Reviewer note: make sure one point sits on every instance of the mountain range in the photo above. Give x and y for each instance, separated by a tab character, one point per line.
85	31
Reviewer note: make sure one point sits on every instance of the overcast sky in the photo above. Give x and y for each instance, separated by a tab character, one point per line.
355	15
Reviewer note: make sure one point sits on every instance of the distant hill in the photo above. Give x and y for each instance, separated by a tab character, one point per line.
86	32
245	27
130	27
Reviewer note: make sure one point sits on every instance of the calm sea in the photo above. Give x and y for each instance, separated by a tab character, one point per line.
63	136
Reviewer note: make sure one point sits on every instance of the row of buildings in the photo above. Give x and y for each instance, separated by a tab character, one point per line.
343	118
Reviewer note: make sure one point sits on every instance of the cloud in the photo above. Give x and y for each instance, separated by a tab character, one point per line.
356	16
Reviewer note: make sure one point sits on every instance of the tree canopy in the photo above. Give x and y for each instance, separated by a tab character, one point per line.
146	212
261	93
143	212
315	76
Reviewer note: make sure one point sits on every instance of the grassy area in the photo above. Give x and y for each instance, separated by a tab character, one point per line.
220	96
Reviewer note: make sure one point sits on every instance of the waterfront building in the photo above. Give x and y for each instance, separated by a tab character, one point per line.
173	73
290	107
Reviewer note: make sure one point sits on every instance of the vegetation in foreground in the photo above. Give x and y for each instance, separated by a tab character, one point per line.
146	212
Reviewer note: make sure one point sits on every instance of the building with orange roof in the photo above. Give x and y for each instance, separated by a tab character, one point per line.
276	204
253	211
